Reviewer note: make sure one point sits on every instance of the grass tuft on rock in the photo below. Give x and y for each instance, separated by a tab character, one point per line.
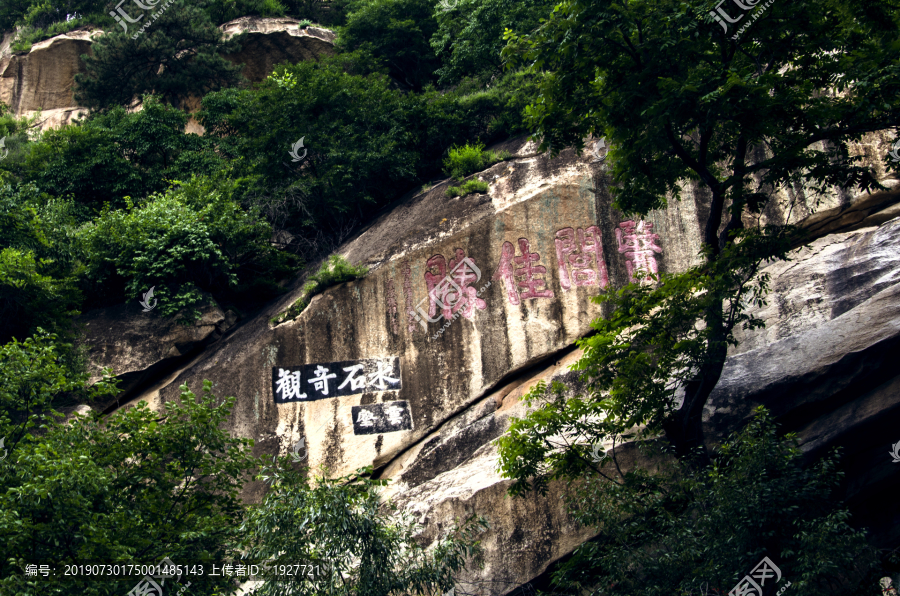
335	270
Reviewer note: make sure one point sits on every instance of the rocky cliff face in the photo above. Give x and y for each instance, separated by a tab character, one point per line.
416	368
43	79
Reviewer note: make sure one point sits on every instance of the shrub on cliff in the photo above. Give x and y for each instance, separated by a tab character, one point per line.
358	544
335	270
468	159
185	242
117	154
686	530
316	148
132	488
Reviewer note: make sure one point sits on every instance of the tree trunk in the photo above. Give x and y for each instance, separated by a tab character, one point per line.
685	428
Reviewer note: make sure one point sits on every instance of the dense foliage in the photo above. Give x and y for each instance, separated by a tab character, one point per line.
98	212
359	544
688	531
177	55
188	242
137	486
118	154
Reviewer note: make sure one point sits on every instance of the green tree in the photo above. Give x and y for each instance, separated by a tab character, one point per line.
396	32
117	154
175	51
680	100
33	380
683	530
37	269
359	146
469	38
188	243
29	298
135	487
360	545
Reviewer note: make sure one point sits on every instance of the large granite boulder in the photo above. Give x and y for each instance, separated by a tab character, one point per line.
140	346
528	255
43	79
271	41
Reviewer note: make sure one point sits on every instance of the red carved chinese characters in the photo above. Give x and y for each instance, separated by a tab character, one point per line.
452	292
638	242
579	255
531	287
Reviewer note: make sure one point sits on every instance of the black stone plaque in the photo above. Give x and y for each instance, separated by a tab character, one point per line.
375	419
334	379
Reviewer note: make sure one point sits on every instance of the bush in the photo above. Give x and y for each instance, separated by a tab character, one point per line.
469	39
29	299
687	527
335	270
118	154
186	243
359	147
469	159
364	547
396	32
133	487
468	187
34	379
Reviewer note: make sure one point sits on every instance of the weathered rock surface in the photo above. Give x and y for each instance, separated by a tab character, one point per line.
826	363
272	41
138	345
44	78
461	386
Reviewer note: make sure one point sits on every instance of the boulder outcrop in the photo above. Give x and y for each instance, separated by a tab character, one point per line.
43	79
271	41
139	346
